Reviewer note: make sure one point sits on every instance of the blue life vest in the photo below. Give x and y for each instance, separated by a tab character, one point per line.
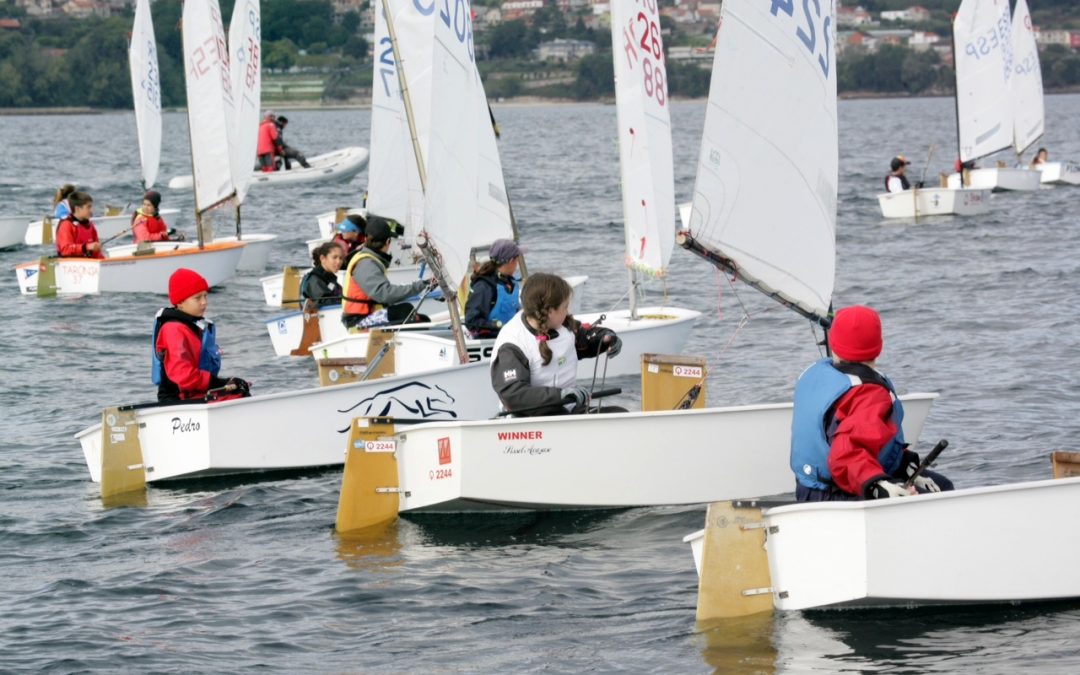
507	302
209	352
818	388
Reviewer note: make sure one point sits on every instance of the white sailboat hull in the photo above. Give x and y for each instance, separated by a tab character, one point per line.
12	230
918	203
658	330
998	179
122	272
106	226
256	253
1060	173
1007	543
613	460
289	430
339	165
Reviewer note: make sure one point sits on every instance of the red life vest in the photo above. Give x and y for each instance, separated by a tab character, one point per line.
71	239
268	135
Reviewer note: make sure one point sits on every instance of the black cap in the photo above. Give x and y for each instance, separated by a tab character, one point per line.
898	162
382	229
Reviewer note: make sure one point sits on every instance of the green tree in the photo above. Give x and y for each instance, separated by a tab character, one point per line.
595	77
280	55
508	40
350	21
355	47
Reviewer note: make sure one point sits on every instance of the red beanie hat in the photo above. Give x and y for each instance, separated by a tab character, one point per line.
185	283
855	334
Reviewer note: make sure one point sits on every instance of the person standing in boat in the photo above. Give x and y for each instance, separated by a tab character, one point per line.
186	359
147	224
320	285
76	236
370	299
61	206
268	144
846	437
350	235
494	293
286	151
535	362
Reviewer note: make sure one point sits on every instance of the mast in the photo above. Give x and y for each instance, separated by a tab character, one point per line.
430	253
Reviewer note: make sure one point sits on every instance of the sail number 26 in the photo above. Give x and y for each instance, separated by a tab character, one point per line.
641	43
809	36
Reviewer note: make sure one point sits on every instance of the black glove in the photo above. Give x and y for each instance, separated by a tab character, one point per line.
884	489
614	345
433	283
580	395
920	184
237	385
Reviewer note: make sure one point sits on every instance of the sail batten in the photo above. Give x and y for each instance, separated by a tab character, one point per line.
765	195
146	91
983	55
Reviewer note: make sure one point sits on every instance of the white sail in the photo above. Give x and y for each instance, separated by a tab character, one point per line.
982	49
394	188
1028	114
146	91
245	66
765	196
466	204
210	101
644	122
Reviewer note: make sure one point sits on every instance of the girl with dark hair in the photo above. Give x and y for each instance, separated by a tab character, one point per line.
76	236
534	368
147	224
320	285
493	296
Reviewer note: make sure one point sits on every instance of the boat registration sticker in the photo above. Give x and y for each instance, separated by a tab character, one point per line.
687	371
444	450
380	446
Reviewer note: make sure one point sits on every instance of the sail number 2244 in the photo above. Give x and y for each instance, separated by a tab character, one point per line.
808	34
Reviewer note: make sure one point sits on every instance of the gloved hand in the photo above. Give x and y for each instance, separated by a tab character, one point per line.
924	484
237	385
174	235
432	283
920	184
614	345
580	395
885	489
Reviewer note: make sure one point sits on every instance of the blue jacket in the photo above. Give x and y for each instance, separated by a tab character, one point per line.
818	389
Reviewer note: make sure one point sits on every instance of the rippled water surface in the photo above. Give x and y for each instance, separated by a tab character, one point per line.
246	575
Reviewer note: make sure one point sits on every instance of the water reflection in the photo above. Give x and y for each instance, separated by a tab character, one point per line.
898	640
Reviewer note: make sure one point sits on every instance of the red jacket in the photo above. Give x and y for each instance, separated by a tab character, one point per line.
181	347
864	429
268	138
72	238
149	228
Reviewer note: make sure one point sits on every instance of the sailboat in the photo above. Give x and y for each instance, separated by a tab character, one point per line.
659	457
12	229
245	75
985	109
649	214
1029	119
245	45
132	268
648	191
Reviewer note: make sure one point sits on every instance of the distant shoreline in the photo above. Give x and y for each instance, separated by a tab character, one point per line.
516	101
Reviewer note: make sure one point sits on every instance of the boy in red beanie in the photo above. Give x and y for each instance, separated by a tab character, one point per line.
846	437
186	358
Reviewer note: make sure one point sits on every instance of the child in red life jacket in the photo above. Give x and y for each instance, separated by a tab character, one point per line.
76	236
186	358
